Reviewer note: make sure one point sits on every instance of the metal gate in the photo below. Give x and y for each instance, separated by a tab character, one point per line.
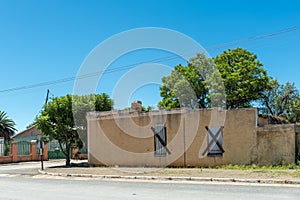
23	148
2	145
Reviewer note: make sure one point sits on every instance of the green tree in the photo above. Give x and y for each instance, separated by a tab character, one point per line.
147	109
186	85
83	104
282	100
63	118
7	126
244	78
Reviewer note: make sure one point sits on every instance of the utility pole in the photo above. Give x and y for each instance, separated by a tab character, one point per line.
41	142
47	96
42	154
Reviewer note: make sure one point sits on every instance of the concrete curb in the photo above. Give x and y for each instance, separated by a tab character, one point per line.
169	178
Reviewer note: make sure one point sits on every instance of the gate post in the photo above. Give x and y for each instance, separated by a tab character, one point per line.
14	152
33	153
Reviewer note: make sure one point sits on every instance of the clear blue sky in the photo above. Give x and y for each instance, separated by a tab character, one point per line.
48	40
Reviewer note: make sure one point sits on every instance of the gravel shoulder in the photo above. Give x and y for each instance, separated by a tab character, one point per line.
82	168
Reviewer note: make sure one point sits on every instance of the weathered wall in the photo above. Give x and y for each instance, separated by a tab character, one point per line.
276	144
297	130
112	135
263	120
239	138
129	140
5	159
126	138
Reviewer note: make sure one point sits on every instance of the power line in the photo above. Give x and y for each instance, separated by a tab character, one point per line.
259	37
125	67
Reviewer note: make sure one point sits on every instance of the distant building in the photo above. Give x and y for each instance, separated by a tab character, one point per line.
32	133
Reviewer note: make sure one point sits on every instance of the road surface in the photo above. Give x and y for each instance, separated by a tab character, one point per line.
20	181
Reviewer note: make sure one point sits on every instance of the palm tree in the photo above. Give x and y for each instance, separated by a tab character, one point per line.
7	126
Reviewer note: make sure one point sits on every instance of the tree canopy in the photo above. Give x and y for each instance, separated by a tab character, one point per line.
235	74
64	118
186	85
282	100
7	126
244	78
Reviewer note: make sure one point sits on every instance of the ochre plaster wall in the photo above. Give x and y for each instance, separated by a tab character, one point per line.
125	138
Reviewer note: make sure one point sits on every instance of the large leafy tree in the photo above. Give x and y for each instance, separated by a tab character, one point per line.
83	104
236	74
244	78
7	126
282	100
63	118
186	85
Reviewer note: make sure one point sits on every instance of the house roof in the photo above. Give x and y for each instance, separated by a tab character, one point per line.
32	131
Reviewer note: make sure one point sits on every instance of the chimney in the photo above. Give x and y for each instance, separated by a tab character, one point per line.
136	105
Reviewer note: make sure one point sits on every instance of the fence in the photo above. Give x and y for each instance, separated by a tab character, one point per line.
23	148
56	154
4	147
55	151
22	151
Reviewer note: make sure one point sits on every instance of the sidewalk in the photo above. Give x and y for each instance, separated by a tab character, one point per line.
81	169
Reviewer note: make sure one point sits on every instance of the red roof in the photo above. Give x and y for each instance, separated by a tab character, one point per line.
32	131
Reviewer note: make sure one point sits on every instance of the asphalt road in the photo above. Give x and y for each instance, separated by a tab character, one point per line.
21	181
50	188
27	168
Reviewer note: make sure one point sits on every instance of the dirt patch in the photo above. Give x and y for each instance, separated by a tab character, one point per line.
181	172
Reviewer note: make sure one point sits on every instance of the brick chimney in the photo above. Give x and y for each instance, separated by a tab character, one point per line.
136	105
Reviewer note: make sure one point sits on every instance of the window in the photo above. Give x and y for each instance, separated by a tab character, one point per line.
160	140
215	141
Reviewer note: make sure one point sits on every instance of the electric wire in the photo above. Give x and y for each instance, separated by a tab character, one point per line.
157	60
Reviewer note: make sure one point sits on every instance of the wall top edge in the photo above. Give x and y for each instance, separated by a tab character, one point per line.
134	113
275	127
